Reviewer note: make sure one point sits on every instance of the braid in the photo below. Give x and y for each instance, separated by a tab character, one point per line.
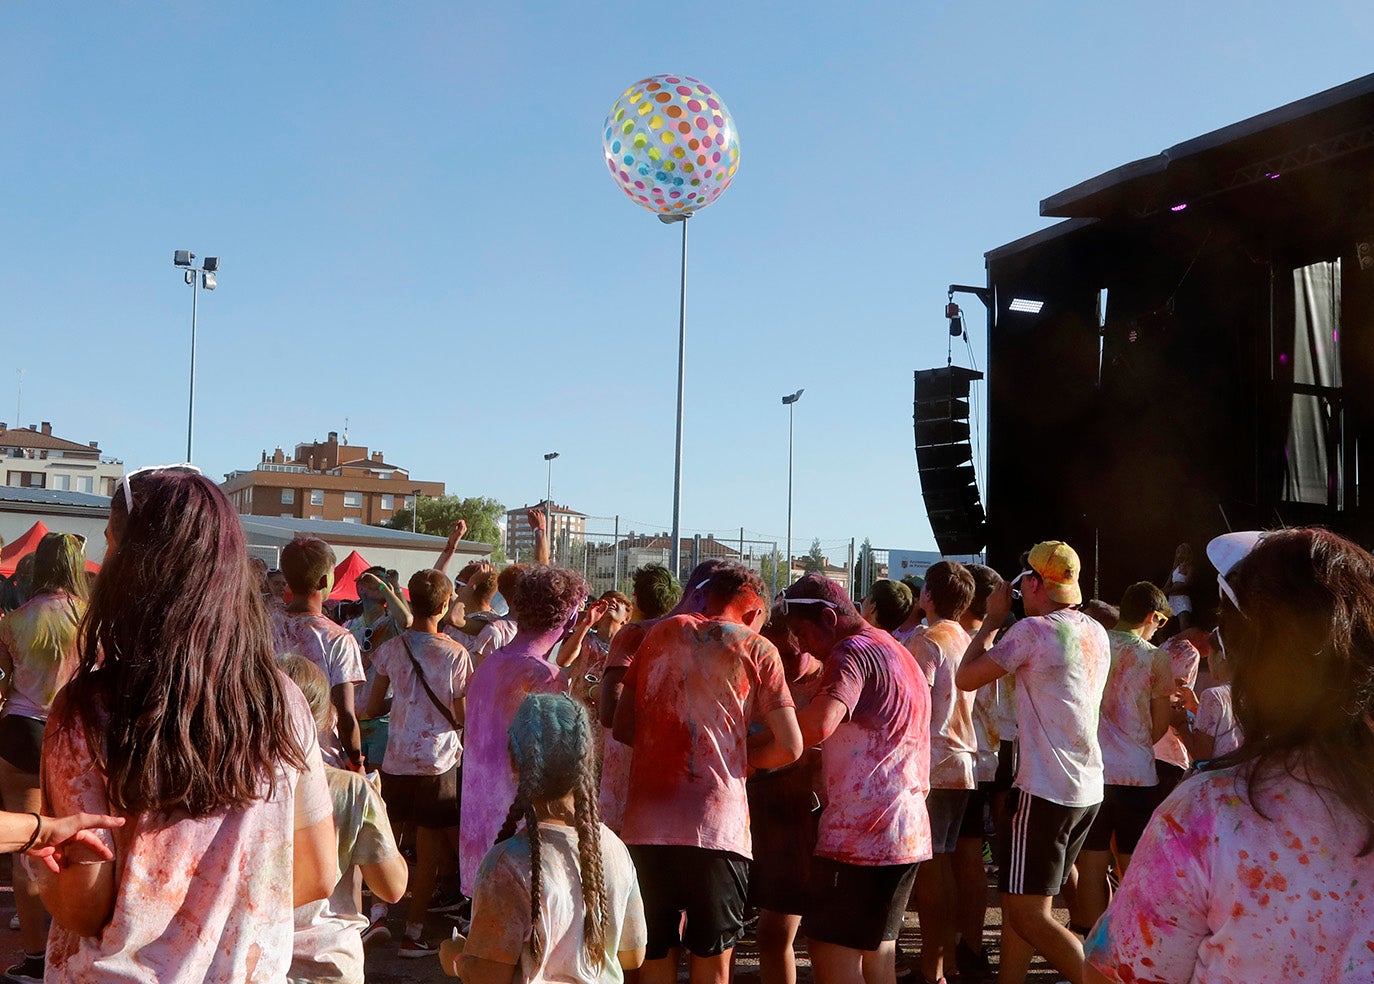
589	860
517	810
536	883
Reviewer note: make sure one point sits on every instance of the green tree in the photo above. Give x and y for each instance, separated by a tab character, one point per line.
814	561
771	562
437	516
866	569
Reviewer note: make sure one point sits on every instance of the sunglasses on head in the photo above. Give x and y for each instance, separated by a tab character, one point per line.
787	603
126	482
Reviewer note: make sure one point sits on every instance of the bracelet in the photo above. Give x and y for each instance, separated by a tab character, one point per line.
37	829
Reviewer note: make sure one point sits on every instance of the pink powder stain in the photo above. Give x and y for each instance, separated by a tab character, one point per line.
1251	876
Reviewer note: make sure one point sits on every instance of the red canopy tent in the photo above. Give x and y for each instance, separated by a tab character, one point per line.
27	544
344	576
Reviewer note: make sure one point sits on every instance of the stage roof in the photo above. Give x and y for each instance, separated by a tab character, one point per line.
1308	131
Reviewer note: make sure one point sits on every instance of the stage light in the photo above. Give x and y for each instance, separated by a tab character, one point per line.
1025	305
182	257
1179	207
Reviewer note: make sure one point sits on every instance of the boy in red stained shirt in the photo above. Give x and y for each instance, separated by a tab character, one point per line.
873	715
696	684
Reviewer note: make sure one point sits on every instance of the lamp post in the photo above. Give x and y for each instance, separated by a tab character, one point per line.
548	495
791	403
415	510
185	259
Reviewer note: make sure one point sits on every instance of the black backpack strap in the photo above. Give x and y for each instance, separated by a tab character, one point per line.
445	711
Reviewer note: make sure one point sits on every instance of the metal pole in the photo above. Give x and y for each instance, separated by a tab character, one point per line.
548	494
615	556
852	595
675	550
191	401
790	408
775	568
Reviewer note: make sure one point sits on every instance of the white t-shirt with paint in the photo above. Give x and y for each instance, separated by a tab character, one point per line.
953	742
1060	662
1139	674
1220	893
501	920
1216	717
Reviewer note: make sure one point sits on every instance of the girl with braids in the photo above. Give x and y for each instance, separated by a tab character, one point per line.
1261	867
37	658
557	898
178	720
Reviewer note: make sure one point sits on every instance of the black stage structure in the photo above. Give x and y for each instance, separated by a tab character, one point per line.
1203	358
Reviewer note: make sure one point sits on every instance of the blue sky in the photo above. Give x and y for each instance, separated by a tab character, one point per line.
418	235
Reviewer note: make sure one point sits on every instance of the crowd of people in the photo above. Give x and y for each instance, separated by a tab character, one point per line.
211	779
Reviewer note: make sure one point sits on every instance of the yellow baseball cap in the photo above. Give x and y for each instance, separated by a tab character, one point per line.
1057	565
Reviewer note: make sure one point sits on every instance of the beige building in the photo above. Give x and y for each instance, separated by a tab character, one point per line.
33	458
326	480
567	533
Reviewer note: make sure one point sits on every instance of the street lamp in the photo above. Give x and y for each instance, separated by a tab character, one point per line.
791	403
185	259
548	495
415	510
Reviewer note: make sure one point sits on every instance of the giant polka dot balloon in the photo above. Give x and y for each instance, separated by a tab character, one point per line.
670	144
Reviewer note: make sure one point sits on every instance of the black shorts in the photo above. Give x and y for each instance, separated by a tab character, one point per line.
1039	844
709	886
21	742
1125	812
857	906
946	808
1006	767
1170	775
975	813
783	822
426	801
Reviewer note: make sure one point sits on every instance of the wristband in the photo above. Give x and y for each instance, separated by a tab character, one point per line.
38	829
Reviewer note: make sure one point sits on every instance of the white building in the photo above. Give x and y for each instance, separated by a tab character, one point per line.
32	458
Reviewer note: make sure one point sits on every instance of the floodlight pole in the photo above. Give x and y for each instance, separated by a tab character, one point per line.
191	400
675	550
197	277
791	402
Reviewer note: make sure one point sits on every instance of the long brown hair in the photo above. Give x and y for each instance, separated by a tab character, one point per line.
1302	651
177	692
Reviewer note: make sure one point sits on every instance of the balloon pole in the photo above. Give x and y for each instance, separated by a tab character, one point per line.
670	144
675	551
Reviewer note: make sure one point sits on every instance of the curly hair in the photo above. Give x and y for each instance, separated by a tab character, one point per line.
545	597
551	746
1302	650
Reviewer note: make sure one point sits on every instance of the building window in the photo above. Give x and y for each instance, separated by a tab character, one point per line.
288	497
316	516
61	482
352	519
317	497
85	483
353	500
287	516
388	501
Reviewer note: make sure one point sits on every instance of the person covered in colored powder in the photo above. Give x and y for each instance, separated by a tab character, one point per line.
1261	867
38	655
543	600
179	720
696	685
871	717
302	629
429	674
556	897
1059	658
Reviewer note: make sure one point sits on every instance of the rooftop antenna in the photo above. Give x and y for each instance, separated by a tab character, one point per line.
345	440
